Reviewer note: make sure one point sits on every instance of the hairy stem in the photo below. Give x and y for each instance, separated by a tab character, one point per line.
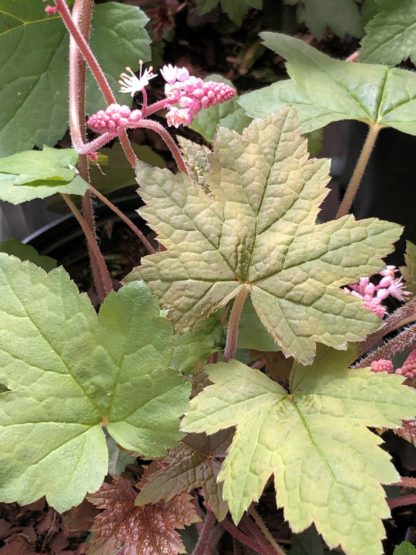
97	72
233	324
402	501
124	218
82	13
406	339
265	531
359	170
167	139
204	541
107	283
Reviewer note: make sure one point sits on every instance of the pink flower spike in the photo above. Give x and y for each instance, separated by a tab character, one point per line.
51	10
114	119
182	74
409	367
177	117
382	365
168	73
131	84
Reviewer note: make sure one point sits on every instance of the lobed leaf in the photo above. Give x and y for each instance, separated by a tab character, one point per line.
409	270
390	34
405	548
256	231
40	174
69	373
327	465
323	89
190	465
27	252
34	67
320	15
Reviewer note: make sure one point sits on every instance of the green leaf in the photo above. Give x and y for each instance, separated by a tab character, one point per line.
40	174
71	372
229	115
192	464
252	334
327	465
390	35
405	548
34	67
27	252
409	271
323	90
236	11
320	15
196	345
256	231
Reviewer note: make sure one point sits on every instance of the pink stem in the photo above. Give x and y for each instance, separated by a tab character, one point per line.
96	71
402	501
155	107
166	137
233	324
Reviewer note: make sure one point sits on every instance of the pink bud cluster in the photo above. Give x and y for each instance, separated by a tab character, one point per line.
114	119
191	94
408	370
373	294
51	10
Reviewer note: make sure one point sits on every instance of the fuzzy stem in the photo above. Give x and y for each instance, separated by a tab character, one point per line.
233	323
406	339
155	107
204	541
107	283
168	140
402	501
265	531
97	72
359	170
125	219
82	13
244	539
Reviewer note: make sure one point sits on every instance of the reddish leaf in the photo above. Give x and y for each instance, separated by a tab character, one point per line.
407	431
148	530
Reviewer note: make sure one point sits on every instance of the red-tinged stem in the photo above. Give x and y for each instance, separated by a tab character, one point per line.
97	72
168	140
265	531
359	170
354	57
233	324
82	13
205	537
155	107
402	501
124	218
244	539
107	284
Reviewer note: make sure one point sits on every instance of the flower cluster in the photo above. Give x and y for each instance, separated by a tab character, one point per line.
373	294
114	119
408	369
131	84
191	94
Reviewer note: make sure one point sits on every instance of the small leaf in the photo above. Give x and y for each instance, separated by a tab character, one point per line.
405	548
256	230
323	89
69	373
192	464
229	115
27	252
252	334
327	465
34	67
320	15
409	271
148	530
236	11
390	35
196	345
40	174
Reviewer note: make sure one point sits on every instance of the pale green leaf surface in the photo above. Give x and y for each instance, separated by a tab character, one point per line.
323	89
409	270
251	332
190	465
405	548
228	114
327	465
257	230
69	373
39	174
341	17
391	34
196	345
27	252
34	67
236	11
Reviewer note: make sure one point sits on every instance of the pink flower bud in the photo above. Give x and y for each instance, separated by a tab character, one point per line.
382	365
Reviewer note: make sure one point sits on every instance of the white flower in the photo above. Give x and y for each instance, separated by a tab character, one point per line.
132	84
171	73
